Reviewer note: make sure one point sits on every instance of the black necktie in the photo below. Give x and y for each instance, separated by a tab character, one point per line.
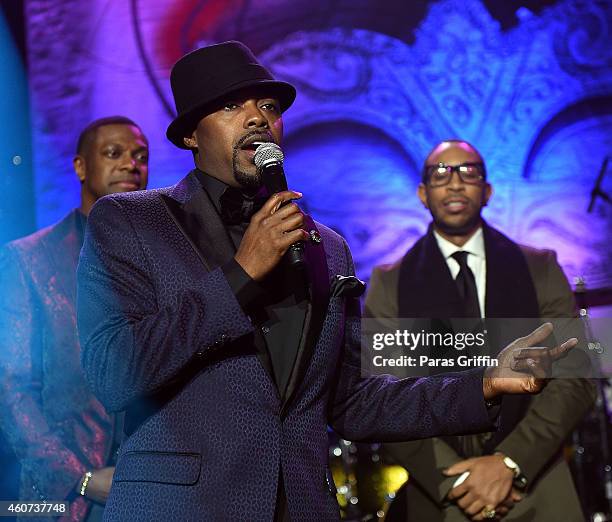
466	284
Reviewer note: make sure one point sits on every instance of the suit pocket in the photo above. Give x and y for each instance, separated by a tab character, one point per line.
160	467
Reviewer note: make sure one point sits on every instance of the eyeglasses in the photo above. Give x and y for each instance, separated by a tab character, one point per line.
441	174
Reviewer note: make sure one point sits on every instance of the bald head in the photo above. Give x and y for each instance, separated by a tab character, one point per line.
452	152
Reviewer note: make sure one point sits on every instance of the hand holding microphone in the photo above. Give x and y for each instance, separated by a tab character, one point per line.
276	227
269	162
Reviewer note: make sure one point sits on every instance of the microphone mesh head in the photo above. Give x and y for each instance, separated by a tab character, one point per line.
266	153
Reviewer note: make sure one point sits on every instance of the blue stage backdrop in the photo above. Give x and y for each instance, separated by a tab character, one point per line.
16	202
379	84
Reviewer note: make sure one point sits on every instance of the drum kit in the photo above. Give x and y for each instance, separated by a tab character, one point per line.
590	450
366	485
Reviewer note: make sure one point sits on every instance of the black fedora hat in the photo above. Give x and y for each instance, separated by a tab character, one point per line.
207	75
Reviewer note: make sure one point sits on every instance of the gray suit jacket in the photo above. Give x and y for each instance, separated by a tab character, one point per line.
536	441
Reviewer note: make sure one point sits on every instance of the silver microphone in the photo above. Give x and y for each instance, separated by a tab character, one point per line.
269	162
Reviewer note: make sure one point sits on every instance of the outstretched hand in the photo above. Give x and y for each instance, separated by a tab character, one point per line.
523	366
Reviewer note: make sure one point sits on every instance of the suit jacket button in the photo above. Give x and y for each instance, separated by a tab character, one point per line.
265	329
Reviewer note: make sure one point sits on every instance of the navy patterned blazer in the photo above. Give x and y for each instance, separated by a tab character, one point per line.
164	337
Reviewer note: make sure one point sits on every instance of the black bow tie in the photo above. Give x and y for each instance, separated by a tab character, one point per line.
238	208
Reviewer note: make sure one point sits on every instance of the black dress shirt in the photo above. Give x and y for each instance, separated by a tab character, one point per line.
277	305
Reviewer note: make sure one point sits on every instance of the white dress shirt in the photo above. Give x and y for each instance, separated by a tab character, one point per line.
476	260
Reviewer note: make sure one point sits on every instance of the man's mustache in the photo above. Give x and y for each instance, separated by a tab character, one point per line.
252	136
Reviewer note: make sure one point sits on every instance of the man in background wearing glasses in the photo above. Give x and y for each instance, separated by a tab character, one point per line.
462	267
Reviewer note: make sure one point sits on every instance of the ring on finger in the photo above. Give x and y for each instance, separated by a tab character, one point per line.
488	512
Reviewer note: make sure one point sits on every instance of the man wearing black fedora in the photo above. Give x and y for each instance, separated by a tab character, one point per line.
228	362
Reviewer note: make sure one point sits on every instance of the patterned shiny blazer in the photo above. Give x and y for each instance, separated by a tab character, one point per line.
54	424
164	337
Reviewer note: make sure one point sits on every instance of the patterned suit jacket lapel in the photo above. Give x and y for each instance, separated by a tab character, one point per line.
194	214
189	206
318	282
63	247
